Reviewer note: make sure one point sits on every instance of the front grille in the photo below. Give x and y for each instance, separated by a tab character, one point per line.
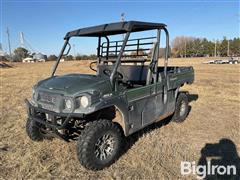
48	98
49	101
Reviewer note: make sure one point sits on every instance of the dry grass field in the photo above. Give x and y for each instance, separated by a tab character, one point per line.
154	153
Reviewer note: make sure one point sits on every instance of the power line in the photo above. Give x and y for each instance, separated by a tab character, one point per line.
22	44
25	43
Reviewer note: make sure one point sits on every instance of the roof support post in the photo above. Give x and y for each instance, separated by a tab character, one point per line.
59	57
116	49
157	55
166	52
98	48
107	47
118	61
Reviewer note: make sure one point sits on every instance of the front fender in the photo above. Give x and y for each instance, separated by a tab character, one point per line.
119	102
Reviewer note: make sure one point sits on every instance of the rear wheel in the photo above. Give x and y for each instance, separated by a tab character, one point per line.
33	130
181	109
100	144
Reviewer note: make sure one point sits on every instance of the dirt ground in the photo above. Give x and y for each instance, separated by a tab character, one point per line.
155	153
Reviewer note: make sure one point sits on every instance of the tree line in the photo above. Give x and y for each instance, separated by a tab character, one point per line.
183	46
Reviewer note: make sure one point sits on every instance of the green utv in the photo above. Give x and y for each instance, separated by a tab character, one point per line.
128	92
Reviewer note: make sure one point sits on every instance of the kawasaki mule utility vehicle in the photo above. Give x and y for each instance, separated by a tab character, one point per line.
128	92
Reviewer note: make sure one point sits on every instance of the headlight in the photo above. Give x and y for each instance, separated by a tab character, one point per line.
68	103
84	101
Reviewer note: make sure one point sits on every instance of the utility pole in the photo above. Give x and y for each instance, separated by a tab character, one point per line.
215	49
123	19
1	49
228	48
74	52
9	44
185	47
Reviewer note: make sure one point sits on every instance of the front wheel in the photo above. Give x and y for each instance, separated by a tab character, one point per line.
181	109
100	144
33	130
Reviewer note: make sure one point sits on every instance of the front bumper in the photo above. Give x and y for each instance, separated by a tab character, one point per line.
33	113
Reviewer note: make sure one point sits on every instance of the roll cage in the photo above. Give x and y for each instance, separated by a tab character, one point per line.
109	51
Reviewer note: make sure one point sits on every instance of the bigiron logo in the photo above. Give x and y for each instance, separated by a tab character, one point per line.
202	171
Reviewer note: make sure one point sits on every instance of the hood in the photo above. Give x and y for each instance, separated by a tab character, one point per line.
75	83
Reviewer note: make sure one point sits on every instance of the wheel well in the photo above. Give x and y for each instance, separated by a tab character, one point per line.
112	113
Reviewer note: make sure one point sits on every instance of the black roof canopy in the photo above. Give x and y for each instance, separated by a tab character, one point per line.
114	28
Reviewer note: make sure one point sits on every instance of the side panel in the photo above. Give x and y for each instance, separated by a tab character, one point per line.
165	105
144	106
160	105
180	76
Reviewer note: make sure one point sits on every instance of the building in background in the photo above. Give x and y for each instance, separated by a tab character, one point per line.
39	57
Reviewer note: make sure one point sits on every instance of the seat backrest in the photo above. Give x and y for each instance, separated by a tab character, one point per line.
131	73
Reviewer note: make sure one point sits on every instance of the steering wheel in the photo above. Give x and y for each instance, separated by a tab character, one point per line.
91	64
109	72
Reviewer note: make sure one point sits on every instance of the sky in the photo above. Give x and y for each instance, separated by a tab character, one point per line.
44	23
